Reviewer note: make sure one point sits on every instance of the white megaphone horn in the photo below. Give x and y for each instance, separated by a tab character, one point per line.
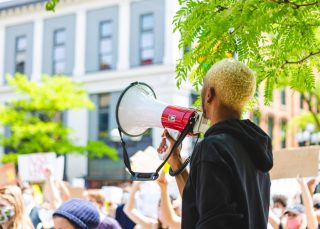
138	110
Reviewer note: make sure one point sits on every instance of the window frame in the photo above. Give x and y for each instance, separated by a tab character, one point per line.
58	45
142	31
17	51
101	39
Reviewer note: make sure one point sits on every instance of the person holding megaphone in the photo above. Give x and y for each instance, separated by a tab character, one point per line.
228	185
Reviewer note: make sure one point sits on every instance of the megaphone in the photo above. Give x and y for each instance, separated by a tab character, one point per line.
138	110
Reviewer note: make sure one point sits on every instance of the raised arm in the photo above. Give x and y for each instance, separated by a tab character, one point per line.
51	192
307	201
169	216
134	214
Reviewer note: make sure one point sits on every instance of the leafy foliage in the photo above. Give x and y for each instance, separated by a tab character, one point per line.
278	39
35	118
51	5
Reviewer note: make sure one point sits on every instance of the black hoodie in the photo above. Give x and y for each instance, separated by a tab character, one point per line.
229	184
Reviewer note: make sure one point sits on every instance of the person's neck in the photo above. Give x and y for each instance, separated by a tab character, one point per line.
222	115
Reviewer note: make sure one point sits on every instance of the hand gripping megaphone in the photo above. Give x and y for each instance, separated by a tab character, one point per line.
138	110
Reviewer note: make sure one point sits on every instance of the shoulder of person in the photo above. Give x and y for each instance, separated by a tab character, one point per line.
208	150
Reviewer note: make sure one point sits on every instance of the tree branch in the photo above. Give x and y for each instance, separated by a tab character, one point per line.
295	5
300	61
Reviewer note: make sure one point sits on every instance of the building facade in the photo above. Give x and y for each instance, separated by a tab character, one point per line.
106	45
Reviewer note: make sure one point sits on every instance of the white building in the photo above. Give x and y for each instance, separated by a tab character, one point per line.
106	44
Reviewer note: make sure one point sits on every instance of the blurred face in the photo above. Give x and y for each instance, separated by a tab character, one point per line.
6	211
294	221
62	223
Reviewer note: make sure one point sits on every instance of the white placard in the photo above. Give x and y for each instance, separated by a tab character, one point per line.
112	194
31	166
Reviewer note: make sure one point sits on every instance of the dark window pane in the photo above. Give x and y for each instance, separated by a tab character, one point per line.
270	127
20	57
146	40
20	62
105	62
147	56
256	119
59	53
147	21
283	96
106	29
59	36
20	67
21	43
104	101
106	46
103	110
59	67
283	134
301	101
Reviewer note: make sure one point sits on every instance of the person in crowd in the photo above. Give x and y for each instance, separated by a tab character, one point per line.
96	197
124	221
55	192
228	185
76	214
279	204
141	221
308	204
316	205
169	215
12	210
32	208
295	217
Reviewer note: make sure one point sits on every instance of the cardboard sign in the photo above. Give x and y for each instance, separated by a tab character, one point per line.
289	163
31	166
7	175
145	161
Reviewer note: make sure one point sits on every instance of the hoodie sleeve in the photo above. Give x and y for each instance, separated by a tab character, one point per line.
212	181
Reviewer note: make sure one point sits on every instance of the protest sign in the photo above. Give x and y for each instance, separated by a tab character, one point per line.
7	175
31	166
289	163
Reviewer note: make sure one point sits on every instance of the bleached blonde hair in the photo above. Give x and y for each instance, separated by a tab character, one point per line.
233	81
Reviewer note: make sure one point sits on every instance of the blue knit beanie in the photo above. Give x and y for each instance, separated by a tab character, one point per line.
80	212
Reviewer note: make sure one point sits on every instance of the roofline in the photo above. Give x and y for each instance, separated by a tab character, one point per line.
16	5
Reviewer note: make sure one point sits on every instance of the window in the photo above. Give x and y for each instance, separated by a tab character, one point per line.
103	116
270	127
105	46
256	119
283	96
301	101
146	39
59	51
20	54
283	133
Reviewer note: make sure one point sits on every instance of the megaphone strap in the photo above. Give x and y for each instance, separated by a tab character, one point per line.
153	176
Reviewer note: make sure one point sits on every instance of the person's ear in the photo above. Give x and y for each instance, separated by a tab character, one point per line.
211	93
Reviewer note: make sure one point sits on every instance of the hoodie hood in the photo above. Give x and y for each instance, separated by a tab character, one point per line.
253	138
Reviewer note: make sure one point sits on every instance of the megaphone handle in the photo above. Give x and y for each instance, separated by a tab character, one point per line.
188	128
183	166
174	134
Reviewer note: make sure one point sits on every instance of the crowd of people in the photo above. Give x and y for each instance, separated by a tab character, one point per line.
19	208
